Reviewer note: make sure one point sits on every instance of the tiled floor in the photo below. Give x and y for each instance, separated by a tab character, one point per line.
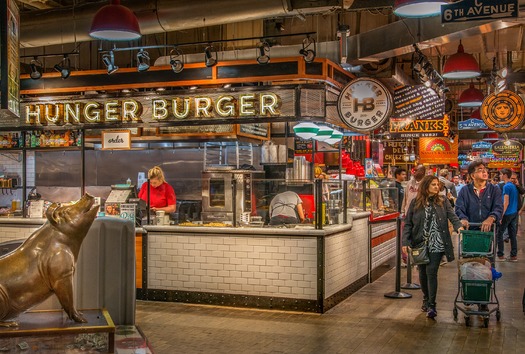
366	322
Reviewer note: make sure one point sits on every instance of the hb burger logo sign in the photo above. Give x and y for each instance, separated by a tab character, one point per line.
364	105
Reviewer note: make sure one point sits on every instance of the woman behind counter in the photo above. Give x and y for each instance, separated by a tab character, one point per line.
162	196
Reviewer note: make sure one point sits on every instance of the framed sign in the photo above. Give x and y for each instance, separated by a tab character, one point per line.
364	104
116	140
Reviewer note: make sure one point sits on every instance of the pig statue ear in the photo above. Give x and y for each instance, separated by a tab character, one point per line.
53	215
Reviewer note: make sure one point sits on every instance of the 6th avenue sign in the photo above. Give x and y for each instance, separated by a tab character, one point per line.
472	10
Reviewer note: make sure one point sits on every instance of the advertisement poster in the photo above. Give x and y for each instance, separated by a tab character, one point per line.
438	151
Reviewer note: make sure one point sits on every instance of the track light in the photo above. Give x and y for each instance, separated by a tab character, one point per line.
308	50
264	53
279	27
142	61
176	60
64	67
109	61
36	69
209	58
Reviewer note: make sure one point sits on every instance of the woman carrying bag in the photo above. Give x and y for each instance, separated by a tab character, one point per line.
426	222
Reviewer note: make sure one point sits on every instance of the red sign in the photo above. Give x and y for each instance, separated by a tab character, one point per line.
438	151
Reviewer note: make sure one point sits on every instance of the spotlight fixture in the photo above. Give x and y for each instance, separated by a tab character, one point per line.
498	78
461	65
308	54
176	60
418	8
109	62
279	26
64	67
210	59
425	72
115	22
451	136
142	61
36	69
264	53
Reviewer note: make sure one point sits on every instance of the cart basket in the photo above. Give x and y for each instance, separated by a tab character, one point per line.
476	290
476	242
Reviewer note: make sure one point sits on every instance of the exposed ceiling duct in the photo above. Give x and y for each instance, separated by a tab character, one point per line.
72	24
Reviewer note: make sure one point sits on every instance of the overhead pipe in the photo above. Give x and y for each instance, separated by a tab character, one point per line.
72	24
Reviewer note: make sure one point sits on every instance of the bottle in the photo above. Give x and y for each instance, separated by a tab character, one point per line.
21	140
14	144
28	139
79	138
33	140
128	181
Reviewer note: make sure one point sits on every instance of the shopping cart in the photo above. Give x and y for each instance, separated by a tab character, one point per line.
476	297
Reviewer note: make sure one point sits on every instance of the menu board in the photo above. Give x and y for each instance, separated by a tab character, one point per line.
418	101
255	130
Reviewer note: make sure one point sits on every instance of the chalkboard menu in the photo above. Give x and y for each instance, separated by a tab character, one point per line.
417	101
302	146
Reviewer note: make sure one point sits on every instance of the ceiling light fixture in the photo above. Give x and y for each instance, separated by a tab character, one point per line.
418	8
306	130
142	61
323	133
210	56
471	97
109	62
335	138
115	22
308	54
461	65
64	67
176	60
263	56
36	69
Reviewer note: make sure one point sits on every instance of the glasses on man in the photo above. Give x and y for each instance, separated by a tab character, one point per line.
481	169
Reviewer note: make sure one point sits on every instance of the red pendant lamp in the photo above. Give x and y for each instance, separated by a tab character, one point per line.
461	65
115	22
476	114
490	137
418	8
471	97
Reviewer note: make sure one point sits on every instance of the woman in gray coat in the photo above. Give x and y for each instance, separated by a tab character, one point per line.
427	219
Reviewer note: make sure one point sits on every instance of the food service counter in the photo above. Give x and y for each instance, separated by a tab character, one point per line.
299	269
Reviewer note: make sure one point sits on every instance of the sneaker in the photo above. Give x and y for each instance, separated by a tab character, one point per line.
501	258
432	313
512	259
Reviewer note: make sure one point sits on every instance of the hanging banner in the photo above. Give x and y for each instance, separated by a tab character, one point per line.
503	111
472	10
438	151
364	104
418	101
507	148
408	128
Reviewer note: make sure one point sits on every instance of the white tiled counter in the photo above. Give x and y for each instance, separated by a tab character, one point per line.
294	269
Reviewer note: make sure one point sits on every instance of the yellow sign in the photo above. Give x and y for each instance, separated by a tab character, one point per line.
438	151
503	111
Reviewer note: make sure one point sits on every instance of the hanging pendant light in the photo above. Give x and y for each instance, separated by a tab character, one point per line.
323	133
335	138
306	130
461	65
471	97
476	114
418	8
115	22
490	137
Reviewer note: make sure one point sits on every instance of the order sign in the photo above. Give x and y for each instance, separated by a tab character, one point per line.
502	112
364	105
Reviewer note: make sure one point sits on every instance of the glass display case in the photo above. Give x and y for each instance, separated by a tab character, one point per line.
379	196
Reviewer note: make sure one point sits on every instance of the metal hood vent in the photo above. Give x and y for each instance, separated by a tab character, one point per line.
72	24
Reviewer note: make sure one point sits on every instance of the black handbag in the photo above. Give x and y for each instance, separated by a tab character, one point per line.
419	254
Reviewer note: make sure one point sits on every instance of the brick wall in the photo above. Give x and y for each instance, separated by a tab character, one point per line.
346	257
284	266
16	232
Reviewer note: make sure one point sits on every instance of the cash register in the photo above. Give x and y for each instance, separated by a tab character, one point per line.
122	201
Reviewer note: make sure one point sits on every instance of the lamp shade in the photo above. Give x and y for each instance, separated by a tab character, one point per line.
490	137
305	130
418	8
475	114
335	138
471	97
323	133
461	65
115	22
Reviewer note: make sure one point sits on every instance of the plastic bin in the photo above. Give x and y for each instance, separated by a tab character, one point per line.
476	290
476	241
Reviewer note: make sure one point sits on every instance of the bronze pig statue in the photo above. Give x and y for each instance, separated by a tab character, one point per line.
45	263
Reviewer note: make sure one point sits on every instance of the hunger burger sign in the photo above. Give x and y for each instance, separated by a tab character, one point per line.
364	105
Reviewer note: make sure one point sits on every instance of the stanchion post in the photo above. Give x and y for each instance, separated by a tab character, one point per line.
409	285
398	294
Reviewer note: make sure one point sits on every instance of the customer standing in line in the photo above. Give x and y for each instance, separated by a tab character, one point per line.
412	188
509	221
427	220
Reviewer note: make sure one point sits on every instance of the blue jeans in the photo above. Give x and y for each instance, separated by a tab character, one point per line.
428	278
510	223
